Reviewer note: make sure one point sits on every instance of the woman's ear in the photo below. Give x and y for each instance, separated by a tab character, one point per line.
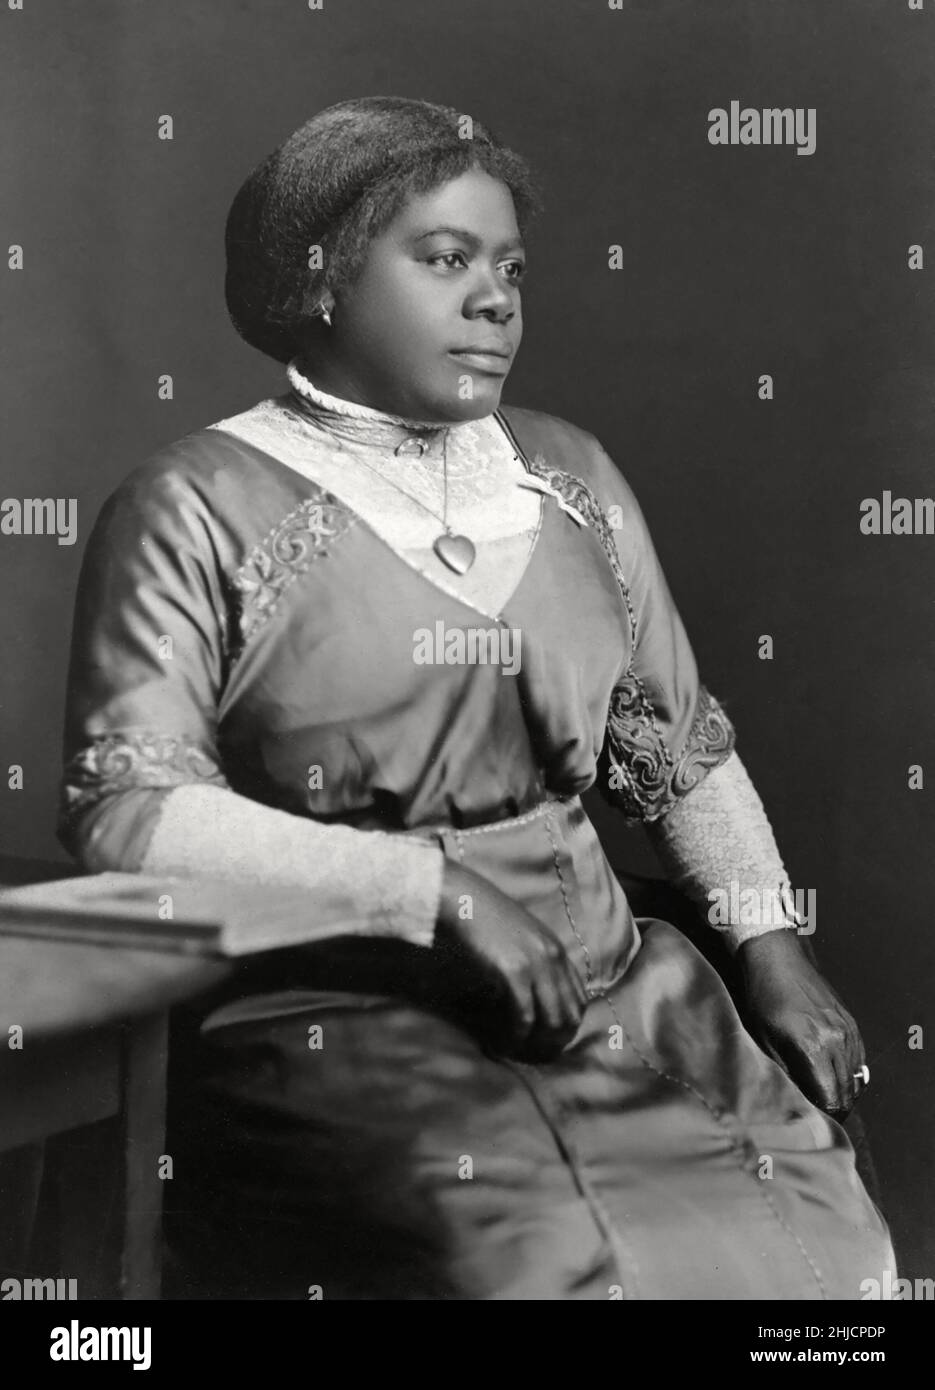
324	308
317	306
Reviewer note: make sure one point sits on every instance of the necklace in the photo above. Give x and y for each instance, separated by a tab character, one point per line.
455	551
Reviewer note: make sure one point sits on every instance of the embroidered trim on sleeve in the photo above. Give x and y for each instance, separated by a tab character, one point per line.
119	762
304	535
644	780
710	739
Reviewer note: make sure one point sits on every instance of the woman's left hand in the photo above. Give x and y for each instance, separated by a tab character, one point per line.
800	1022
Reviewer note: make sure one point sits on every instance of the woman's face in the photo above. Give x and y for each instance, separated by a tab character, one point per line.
430	327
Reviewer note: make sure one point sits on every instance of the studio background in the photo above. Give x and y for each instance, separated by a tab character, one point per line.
737	261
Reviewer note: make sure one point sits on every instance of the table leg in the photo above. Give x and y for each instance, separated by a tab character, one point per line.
109	1193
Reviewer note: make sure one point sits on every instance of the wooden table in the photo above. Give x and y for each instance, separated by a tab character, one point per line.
82	1102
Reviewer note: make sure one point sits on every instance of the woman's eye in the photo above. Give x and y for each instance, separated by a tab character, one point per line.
447	257
457	260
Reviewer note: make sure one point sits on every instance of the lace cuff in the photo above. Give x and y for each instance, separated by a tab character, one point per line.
717	847
360	882
160	804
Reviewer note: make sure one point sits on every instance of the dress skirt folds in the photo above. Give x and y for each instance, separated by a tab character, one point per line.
339	1125
398	1159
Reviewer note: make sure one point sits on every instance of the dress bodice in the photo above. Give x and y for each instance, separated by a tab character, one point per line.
314	668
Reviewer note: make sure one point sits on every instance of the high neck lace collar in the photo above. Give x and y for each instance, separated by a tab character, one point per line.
350	410
362	422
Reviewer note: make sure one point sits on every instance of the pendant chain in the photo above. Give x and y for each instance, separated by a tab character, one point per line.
457	553
418	501
355	437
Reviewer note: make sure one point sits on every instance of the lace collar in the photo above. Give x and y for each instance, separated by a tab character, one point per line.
363	423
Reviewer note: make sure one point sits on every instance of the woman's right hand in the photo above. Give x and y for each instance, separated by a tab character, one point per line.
512	961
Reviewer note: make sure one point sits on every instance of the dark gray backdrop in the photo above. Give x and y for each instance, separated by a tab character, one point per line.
737	261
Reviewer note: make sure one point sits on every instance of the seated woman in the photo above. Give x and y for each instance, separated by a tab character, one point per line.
408	629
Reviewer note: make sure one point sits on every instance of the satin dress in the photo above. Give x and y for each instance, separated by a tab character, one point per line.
662	1155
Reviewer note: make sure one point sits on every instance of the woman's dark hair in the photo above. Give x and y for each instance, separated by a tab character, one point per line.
336	183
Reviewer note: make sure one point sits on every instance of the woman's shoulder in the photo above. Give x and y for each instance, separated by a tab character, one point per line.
207	494
556	445
548	430
204	459
208	475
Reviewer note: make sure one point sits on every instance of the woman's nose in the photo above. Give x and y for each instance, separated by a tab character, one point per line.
491	296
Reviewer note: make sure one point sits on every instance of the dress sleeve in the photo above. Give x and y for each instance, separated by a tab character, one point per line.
665	731
666	735
144	789
145	675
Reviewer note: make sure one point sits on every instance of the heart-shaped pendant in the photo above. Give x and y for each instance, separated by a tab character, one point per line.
457	552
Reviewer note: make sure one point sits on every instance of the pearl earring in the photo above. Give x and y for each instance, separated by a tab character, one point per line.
326	314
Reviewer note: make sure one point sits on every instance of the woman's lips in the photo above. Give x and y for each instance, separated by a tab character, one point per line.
498	364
